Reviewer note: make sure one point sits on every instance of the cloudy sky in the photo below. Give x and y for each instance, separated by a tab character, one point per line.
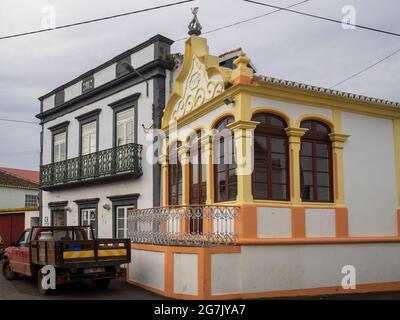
282	45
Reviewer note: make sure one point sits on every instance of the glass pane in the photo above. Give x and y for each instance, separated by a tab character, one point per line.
277	122
260	190
323	193
89	137
278	145
120	223
278	191
307	178
260	175
307	193
306	149
120	234
306	124
260	144
322	165
278	160
322	150
232	191
278	176
306	163
120	213
323	179
321	128
260	117
195	174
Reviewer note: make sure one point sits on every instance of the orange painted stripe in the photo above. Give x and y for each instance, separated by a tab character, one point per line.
298	222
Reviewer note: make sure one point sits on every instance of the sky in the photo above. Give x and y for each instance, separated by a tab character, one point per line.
283	45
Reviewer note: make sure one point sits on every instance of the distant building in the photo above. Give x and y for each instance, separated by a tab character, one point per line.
19	203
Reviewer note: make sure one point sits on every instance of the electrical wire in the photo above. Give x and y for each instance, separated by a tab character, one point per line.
325	18
94	20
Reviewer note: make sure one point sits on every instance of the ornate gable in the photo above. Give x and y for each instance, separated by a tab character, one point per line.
199	80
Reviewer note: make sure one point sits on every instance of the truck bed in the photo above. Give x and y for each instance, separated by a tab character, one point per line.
80	253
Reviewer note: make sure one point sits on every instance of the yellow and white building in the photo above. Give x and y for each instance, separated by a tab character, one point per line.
324	193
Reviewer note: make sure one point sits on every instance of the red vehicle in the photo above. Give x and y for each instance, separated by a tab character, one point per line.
72	251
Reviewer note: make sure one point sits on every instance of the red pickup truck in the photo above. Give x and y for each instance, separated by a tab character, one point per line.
73	253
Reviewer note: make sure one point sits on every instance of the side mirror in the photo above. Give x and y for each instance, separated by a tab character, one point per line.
12	244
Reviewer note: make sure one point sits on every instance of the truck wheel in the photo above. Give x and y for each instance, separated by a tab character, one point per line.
41	289
103	283
7	272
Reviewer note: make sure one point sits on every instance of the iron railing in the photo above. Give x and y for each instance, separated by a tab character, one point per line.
126	158
200	225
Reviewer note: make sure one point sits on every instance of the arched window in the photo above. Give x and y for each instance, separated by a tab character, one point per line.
225	180
316	163
174	176
198	176
271	173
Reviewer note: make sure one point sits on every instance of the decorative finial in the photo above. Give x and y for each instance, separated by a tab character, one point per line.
194	25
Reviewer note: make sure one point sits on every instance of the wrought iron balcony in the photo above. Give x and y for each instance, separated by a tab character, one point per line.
201	225
106	164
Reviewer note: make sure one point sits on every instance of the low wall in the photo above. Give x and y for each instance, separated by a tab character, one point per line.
251	271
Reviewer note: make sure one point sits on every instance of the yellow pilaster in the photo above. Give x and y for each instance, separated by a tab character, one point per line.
295	135
183	152
244	141
206	142
243	107
164	182
338	139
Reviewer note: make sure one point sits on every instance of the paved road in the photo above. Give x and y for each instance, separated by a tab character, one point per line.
25	289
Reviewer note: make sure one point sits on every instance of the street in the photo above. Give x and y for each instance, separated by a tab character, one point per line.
25	289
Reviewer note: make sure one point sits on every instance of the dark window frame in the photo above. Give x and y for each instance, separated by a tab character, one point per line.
91	80
121	201
174	200
92	203
55	130
54	206
201	185
123	104
91	116
314	137
222	124
270	132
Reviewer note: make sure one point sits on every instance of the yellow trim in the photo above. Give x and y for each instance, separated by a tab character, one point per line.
78	254
318	117
284	115
111	252
17	210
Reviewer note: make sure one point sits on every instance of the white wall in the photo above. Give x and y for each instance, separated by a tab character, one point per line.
369	175
289	267
103	76
185	273
294	110
320	223
147	267
274	222
14	197
28	216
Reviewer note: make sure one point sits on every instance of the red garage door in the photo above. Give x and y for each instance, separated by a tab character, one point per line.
11	227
